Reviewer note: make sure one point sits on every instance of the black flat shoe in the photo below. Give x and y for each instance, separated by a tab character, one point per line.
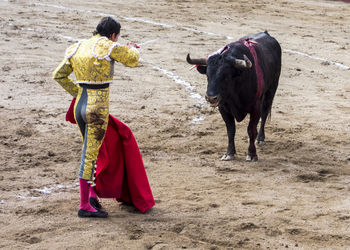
95	204
86	214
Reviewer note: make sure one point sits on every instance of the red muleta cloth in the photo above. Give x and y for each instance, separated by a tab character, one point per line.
120	172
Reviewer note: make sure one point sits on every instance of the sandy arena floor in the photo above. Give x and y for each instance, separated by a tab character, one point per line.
296	196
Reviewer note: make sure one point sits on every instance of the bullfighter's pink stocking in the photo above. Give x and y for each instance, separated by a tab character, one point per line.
93	193
84	196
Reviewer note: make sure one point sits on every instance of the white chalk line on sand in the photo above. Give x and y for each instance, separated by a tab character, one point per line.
147	42
46	191
69	38
193	94
178	80
135	19
339	65
49	190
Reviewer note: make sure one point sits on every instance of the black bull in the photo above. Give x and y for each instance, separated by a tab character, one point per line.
243	79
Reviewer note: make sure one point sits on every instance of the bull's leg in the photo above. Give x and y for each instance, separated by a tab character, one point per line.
231	131
260	140
266	109
252	132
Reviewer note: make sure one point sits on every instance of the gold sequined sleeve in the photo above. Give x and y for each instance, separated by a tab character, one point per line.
61	76
127	56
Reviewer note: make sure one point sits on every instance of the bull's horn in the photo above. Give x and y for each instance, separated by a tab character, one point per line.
243	64
199	61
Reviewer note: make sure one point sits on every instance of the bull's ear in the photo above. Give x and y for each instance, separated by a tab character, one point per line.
202	69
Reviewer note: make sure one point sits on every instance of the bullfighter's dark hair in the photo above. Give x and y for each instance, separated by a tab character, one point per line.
107	26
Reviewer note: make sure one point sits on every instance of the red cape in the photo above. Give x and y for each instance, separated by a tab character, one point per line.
120	172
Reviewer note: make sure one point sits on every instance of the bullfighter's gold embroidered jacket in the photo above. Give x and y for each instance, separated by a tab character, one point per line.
92	61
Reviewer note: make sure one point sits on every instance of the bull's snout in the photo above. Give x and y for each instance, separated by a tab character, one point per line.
213	100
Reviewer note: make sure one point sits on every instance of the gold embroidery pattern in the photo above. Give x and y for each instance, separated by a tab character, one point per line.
61	76
92	60
96	120
125	55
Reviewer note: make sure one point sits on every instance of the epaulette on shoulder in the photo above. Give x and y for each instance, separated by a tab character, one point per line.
102	48
71	50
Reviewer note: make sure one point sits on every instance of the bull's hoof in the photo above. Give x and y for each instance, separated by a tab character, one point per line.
251	158
228	157
259	143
